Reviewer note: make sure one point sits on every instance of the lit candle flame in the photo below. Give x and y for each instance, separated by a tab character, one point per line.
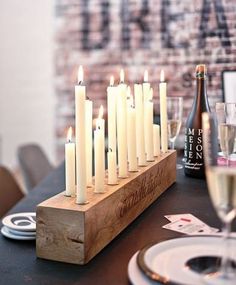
80	74
100	115
162	76
122	76
145	78
151	94
69	134
112	80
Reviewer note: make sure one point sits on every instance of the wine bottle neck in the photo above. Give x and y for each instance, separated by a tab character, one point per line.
201	99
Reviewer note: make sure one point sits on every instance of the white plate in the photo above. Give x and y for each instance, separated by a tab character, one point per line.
8	234
21	233
136	276
20	221
168	258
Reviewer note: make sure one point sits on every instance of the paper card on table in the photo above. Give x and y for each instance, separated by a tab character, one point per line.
183	217
189	218
190	228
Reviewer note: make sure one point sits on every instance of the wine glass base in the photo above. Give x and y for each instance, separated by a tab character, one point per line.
179	166
219	278
210	269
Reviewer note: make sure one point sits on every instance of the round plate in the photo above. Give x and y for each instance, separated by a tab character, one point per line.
6	233
20	221
136	276
21	233
166	261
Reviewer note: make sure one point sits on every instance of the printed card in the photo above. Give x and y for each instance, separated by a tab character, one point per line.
188	224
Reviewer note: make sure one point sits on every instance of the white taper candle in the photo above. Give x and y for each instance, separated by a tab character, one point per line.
70	164
81	177
131	123
89	141
163	113
156	140
99	155
112	172
122	127
111	114
139	109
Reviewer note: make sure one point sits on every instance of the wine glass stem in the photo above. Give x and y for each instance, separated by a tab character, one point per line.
172	144
225	262
227	160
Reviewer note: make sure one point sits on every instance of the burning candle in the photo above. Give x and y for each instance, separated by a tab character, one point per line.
163	112
70	164
80	118
122	126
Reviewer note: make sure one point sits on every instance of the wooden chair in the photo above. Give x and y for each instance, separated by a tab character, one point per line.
10	192
34	164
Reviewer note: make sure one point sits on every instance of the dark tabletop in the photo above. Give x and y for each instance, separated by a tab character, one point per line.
19	265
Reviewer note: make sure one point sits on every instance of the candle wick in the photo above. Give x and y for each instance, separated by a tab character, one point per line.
87	97
99	127
110	149
80	82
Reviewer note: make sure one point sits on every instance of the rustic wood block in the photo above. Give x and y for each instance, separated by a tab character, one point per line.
76	233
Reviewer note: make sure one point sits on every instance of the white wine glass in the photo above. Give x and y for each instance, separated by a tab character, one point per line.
226	119
174	120
221	181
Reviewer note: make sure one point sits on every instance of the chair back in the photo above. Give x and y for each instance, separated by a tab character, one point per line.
34	164
10	192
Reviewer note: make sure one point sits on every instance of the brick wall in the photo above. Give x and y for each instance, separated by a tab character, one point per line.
173	35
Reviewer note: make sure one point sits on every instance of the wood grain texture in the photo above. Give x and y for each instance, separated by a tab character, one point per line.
76	233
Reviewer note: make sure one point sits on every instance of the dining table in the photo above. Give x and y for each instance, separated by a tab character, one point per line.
20	265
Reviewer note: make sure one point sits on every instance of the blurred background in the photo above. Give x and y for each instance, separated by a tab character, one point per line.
43	43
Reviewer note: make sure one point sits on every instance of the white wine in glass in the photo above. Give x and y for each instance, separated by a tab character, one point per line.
173	130
226	120
221	181
227	135
174	115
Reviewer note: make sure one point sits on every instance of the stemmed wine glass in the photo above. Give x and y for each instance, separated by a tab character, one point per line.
221	181
174	116
226	119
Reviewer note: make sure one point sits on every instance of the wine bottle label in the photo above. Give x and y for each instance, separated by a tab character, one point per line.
193	151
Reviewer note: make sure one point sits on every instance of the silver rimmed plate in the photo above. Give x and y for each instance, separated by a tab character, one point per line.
21	221
167	261
7	233
136	276
21	233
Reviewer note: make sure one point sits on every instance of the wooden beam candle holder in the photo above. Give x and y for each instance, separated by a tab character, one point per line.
74	233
